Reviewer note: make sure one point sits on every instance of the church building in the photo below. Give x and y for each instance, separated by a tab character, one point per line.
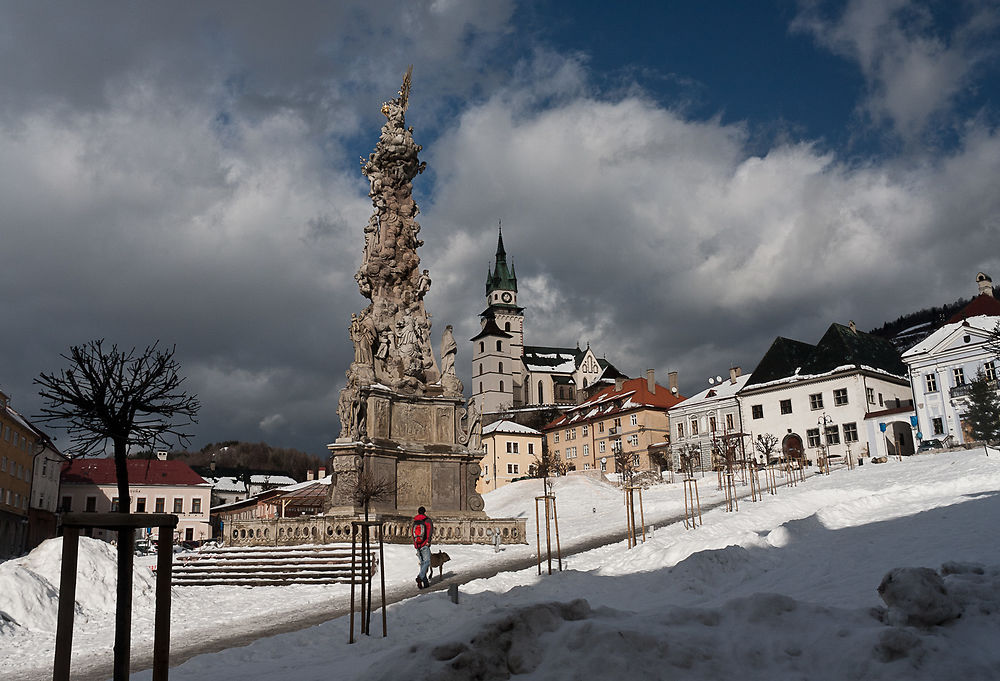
509	375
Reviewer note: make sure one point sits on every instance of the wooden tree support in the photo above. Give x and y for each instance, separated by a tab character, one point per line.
364	580
755	492
630	516
551	517
125	524
692	504
770	478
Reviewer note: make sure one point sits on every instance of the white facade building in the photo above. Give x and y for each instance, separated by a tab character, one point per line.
706	416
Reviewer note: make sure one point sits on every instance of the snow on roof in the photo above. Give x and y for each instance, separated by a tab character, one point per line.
980	322
505	426
717	392
140	472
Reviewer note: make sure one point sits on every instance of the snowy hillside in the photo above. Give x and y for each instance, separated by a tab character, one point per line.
784	588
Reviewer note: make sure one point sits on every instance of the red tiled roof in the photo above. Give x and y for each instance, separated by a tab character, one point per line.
983	304
633	390
140	472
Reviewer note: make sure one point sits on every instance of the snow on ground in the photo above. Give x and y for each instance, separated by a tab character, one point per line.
784	588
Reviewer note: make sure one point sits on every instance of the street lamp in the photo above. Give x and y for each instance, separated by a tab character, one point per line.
824	421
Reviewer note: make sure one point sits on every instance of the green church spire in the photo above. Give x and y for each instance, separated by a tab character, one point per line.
502	278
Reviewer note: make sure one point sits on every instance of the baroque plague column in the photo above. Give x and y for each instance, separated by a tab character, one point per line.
400	412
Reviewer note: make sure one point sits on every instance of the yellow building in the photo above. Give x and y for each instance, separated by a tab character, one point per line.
509	450
630	417
17	448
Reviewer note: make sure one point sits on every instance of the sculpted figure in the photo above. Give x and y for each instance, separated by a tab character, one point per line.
423	284
448	351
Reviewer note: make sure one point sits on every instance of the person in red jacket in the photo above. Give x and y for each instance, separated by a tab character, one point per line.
423	528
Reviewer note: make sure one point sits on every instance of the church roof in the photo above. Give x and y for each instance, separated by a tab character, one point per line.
502	278
491	329
547	359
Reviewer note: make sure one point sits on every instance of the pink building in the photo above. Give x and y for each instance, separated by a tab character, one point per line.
155	486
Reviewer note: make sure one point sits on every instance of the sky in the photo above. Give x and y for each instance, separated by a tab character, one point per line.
678	183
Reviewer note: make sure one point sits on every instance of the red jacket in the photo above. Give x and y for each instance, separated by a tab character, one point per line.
426	529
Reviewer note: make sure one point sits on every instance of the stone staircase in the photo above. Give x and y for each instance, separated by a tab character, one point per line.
268	566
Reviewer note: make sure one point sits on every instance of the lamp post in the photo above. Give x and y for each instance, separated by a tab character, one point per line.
823	422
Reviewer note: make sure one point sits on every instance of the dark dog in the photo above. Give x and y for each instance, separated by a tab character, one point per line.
438	560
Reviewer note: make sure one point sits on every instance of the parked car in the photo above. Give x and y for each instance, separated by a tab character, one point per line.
928	445
144	547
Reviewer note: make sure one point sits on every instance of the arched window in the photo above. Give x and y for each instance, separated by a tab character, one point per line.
541	395
480	368
506	326
584	380
501	386
499	346
480	386
501	368
482	346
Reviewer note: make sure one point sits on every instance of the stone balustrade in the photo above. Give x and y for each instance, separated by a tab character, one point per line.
333	529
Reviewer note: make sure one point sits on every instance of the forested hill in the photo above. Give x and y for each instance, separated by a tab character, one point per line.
255	456
909	329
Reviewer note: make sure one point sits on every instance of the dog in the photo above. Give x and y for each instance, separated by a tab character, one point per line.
438	560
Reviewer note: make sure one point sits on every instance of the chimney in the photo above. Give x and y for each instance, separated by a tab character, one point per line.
985	284
310	475
161	455
322	473
734	373
650	382
672	382
619	384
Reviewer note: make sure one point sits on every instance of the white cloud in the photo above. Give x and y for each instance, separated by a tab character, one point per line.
914	70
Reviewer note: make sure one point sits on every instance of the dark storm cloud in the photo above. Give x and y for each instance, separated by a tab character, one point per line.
190	173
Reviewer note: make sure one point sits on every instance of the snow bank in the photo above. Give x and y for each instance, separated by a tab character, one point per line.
29	586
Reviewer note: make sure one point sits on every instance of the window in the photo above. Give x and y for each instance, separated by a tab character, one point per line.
840	397
712	424
188	533
584	430
500	369
604	465
178	505
555	437
67	504
600	427
833	435
480	386
196	505
870	394
990	370
160	503
959	376
571	452
499	346
140	505
930	383
633	440
850	432
512	468
91	504
586	450
482	346
569	434
45	467
512	448
938	425
694	426
3	464
635	460
680	431
618	422
541	399
729	422
757	411
501	386
506	326
586	466
114	504
531	448
616	444
880	402
635	419
816	401
812	437
601	446
480	368
785	406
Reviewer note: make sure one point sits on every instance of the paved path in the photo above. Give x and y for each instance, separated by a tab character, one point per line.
242	634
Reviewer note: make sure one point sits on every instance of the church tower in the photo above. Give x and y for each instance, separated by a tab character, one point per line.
497	373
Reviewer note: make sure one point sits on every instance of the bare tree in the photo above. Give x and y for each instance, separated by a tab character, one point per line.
371	487
765	444
624	465
127	398
130	399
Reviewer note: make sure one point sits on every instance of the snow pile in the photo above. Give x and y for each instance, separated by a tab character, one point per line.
917	596
29	586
